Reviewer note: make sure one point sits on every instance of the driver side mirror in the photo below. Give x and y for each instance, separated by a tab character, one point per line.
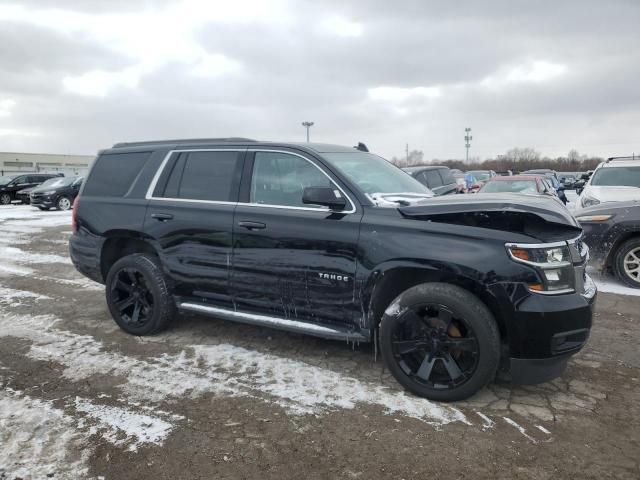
325	196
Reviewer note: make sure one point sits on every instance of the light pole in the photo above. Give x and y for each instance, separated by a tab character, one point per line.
467	141
307	125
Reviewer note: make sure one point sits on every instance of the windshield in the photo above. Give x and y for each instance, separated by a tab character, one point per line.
616	177
57	182
7	179
481	175
374	174
517	186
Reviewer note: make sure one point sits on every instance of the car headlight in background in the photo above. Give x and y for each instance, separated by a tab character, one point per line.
552	262
50	192
588	201
593	218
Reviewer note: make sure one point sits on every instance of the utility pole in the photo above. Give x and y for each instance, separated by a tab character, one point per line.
407	150
467	141
307	125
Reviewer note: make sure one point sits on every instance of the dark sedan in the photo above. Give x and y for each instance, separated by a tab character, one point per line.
439	180
56	193
612	232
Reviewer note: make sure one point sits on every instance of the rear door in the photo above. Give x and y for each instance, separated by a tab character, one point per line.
448	181
190	219
292	260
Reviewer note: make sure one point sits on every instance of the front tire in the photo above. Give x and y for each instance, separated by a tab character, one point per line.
5	199
64	203
440	342
627	262
138	296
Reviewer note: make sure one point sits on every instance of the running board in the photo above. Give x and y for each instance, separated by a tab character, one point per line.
275	322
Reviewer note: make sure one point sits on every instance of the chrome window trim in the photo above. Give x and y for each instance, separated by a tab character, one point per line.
156	178
313	209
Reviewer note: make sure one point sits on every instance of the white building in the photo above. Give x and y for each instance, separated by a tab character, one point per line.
13	163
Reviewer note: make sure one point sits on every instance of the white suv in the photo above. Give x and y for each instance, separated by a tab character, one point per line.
616	180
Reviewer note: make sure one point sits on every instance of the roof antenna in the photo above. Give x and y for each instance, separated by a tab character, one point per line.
362	147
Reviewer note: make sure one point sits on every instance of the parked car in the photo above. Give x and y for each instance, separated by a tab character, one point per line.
567	180
524	184
612	231
438	179
338	243
23	195
482	176
56	193
553	179
616	180
9	186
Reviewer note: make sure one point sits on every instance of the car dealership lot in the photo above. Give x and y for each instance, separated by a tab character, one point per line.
214	399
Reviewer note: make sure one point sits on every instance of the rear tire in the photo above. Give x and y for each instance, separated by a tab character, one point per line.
138	295
440	342
627	262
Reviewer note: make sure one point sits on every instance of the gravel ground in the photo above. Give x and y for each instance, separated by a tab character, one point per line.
213	399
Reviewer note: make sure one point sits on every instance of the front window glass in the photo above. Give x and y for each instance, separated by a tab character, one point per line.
5	180
517	186
374	174
280	179
481	176
616	177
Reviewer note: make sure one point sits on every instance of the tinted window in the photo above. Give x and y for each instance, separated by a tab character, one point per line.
447	176
19	180
433	178
280	178
113	174
204	176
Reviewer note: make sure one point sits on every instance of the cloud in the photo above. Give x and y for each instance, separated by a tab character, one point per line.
555	76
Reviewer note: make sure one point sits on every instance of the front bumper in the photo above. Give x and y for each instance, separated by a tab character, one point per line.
544	331
42	200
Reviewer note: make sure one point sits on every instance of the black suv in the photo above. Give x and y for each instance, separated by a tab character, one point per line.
56	193
339	243
440	180
9	186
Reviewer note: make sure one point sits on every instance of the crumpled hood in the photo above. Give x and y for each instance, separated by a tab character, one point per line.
544	207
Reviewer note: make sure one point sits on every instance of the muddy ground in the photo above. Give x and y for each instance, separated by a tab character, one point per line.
214	399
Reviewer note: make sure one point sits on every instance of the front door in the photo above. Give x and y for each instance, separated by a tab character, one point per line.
292	260
190	219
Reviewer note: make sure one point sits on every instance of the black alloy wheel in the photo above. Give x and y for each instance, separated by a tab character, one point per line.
138	295
435	347
132	297
440	341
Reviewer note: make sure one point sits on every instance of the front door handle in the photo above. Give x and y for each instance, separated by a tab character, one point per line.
162	217
252	225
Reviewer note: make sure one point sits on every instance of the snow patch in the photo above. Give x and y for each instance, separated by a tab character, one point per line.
609	284
38	440
13	298
521	429
298	387
121	426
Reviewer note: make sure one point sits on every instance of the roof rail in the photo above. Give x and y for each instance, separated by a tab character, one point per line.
632	157
184	140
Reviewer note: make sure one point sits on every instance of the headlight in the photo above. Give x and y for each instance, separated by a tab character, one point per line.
50	192
593	218
588	201
552	262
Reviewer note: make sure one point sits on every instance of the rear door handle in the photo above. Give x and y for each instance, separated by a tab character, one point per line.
252	225
162	217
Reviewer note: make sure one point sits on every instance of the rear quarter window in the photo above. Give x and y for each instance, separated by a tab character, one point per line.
113	174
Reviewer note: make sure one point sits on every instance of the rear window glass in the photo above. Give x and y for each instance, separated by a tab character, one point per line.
113	174
447	177
433	178
202	176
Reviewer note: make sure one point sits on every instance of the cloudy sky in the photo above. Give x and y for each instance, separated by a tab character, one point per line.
79	75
